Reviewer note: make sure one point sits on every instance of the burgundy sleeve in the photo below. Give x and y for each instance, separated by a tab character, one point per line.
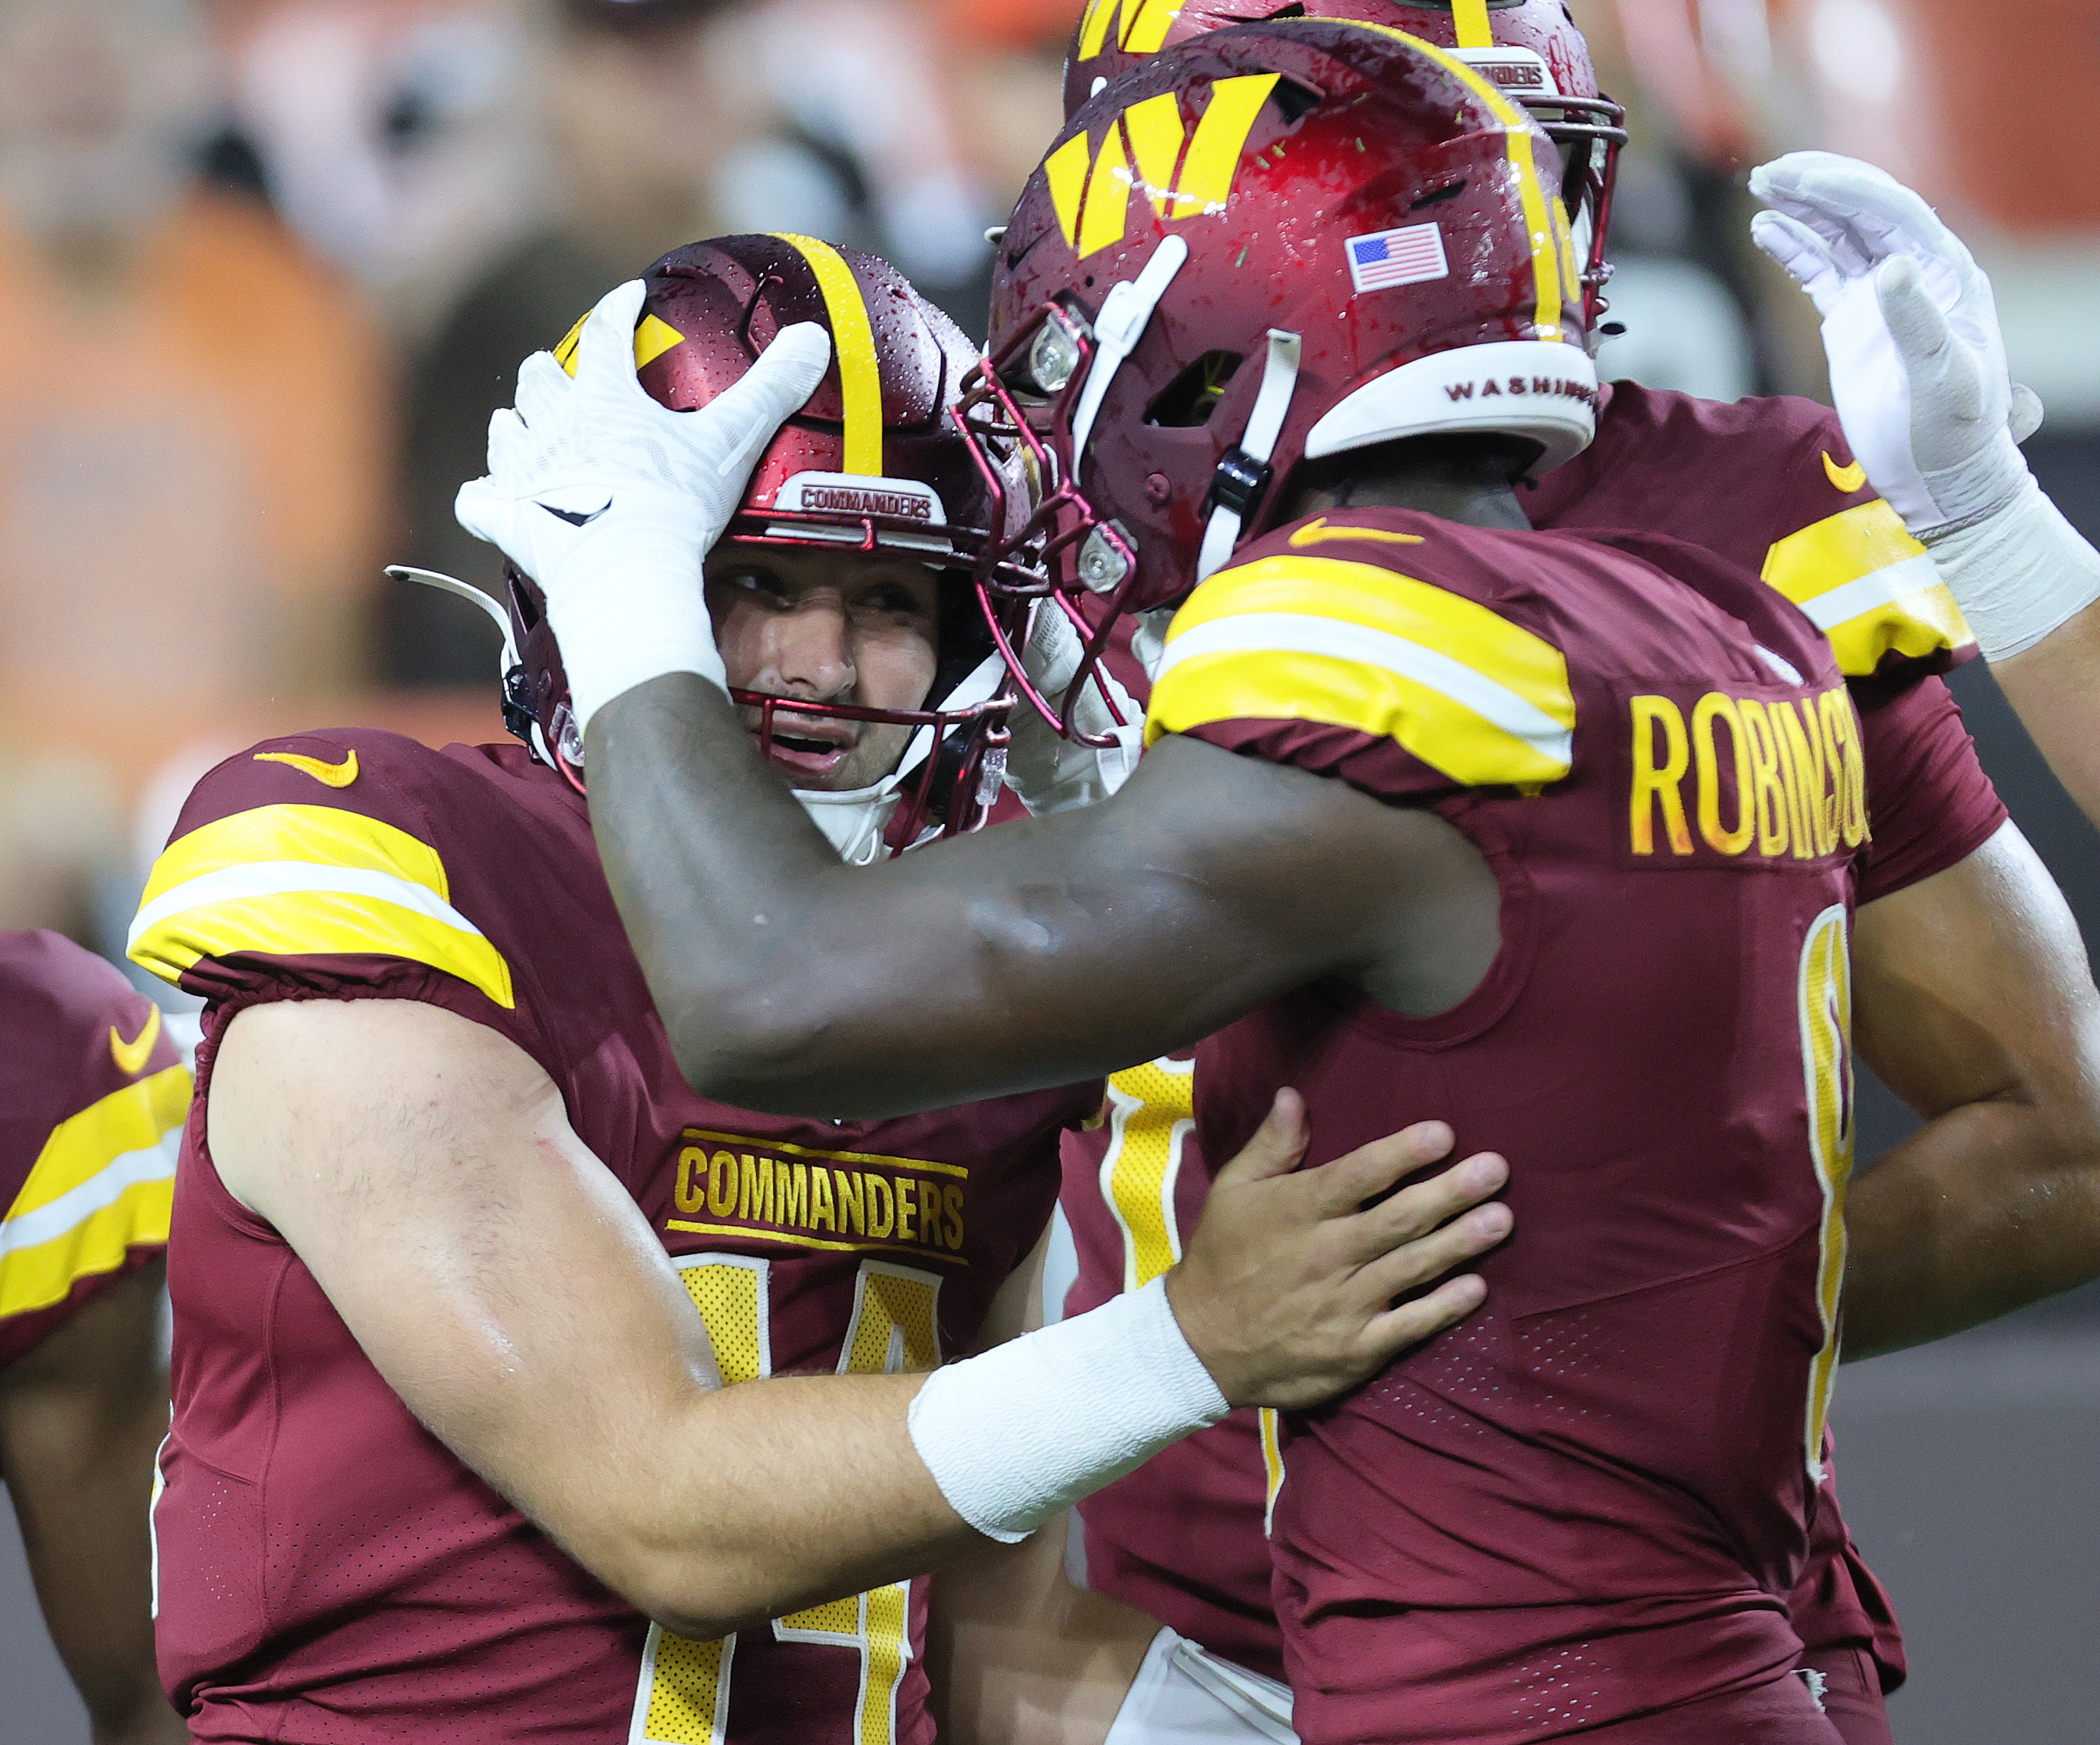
1930	804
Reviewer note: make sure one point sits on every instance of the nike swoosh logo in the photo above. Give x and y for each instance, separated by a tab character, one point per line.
334	775
1317	533
131	1057
576	517
1847	479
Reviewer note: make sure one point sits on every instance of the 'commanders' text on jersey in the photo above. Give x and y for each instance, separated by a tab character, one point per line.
1770	485
1591	1500
328	1571
89	1128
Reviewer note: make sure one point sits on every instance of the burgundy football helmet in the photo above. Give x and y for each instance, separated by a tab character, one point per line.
1270	244
871	463
1531	49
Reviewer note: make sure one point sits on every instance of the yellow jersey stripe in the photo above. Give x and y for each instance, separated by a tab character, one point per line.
1443	713
322	835
1474	636
1153	1109
869	1245
34	1278
83	1146
1869	586
853	342
295	910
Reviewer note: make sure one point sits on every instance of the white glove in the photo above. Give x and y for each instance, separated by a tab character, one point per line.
1917	365
1917	368
610	501
1051	774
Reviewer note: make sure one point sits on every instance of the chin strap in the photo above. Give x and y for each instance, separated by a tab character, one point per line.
1125	313
1243	475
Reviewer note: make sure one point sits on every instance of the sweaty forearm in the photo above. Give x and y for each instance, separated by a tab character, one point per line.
2055	687
1042	952
1986	1209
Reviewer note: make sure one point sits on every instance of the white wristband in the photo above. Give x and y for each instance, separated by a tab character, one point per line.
1024	1431
2018	573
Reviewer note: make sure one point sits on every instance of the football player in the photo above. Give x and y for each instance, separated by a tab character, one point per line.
95	1096
1917	370
1771	484
459	1260
1210	886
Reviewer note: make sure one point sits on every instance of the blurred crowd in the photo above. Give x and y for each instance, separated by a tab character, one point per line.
267	266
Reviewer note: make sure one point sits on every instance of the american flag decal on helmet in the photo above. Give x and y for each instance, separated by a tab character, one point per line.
1388	258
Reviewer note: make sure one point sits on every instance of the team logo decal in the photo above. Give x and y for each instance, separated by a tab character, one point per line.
1388	258
1149	150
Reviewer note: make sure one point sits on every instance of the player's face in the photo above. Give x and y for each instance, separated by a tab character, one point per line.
832	627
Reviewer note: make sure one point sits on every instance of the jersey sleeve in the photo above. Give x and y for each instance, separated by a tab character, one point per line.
1405	688
340	866
1928	803
96	1096
1856	572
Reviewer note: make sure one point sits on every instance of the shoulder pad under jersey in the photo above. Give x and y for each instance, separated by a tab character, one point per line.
319	859
1352	627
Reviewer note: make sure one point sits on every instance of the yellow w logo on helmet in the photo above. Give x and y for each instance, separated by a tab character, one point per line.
1144	150
1142	26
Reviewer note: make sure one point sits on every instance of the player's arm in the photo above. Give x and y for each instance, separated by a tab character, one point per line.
1917	370
79	1417
1975	1005
1018	1654
509	1290
2055	687
1044	951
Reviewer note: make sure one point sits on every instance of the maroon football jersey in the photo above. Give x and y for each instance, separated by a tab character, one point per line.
328	1571
1592	1499
90	1124
1770	485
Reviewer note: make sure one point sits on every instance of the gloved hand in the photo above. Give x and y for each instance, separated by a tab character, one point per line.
1917	365
1051	774
610	501
1917	368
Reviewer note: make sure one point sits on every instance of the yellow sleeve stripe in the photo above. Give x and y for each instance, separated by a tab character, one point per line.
301	882
1347	691
85	1205
1869	586
83	1146
1491	655
324	835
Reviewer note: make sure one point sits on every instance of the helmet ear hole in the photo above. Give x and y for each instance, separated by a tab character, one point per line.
1187	402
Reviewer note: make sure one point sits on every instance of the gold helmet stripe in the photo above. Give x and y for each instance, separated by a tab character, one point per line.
1470	16
1550	252
853	342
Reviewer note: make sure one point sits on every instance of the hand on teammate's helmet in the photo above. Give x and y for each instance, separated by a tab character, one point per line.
1917	365
611	501
1050	772
1287	1289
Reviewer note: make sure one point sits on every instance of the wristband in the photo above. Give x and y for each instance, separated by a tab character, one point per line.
2018	573
1020	1433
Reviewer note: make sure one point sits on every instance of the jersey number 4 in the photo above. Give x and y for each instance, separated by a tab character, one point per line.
684	1698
